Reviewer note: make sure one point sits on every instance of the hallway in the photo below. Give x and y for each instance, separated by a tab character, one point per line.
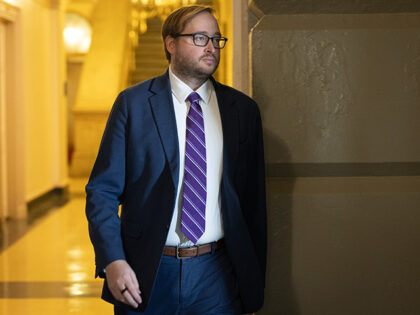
50	269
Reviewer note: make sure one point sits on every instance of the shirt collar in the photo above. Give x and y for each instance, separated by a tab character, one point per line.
181	90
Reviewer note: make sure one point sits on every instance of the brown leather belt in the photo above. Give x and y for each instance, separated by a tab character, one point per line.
194	251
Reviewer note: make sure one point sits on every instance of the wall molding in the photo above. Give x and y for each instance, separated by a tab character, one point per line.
342	169
13	229
253	7
8	12
50	4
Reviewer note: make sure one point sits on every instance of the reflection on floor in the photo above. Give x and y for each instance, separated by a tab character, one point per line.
50	268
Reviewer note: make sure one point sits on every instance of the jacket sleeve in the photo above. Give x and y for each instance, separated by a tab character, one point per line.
105	189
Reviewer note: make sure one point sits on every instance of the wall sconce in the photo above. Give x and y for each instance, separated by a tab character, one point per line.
77	34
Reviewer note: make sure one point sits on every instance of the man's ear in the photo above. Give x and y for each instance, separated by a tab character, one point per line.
170	44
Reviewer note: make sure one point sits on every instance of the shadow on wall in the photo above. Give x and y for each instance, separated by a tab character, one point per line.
280	296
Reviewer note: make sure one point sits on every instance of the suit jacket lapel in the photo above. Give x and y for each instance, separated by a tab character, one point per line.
164	115
230	126
163	111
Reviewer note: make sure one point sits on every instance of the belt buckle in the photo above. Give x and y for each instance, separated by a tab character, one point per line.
178	248
177	252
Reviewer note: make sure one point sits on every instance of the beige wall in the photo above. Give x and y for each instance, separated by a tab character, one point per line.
101	79
42	88
339	95
224	17
11	129
84	8
35	107
240	46
3	139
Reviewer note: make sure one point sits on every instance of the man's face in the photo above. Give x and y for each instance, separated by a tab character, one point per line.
191	61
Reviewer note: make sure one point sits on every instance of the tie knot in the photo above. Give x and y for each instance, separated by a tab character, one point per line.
193	97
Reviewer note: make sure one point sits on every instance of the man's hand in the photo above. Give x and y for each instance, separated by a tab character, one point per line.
123	283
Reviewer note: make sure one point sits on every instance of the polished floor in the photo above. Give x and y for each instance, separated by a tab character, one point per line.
49	269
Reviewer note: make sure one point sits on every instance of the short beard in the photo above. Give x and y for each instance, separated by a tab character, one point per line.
189	72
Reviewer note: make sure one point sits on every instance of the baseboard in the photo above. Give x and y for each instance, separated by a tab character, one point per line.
56	197
12	230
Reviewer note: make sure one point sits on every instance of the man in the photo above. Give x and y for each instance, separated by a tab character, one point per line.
183	155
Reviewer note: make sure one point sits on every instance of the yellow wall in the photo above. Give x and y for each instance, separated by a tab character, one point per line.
101	79
224	15
43	97
84	8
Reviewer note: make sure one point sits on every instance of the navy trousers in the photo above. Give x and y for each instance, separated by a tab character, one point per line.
193	286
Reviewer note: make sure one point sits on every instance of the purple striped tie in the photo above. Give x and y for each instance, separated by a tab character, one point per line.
195	192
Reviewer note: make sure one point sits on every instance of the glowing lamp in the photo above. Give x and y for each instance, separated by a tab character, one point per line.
77	34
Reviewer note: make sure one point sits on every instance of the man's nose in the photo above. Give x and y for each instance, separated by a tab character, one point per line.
210	46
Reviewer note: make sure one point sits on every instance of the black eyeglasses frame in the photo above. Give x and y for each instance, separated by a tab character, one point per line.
223	39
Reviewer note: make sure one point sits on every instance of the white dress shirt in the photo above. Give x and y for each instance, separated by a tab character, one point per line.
214	155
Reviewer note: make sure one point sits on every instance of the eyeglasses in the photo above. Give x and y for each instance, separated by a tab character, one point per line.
202	40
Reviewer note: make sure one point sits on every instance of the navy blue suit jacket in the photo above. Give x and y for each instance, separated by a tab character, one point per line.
137	167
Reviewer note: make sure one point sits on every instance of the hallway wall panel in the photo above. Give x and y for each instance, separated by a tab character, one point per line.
37	99
340	95
39	59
